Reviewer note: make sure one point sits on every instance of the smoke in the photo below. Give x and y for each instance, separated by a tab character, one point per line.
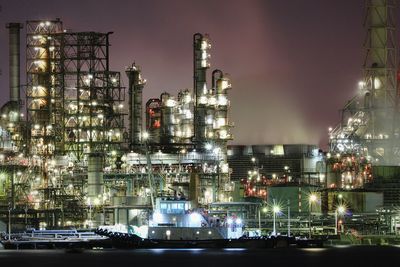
269	115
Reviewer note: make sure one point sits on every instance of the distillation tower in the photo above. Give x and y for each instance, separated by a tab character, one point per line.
368	133
77	155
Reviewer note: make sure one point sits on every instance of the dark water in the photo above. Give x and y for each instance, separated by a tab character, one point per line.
338	257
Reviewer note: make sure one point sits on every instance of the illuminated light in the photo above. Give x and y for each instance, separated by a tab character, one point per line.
204	45
47	23
222	100
209	232
223	134
212	101
225	168
216	150
114	80
170	103
312	197
41	24
377	83
209	121
113	153
238	221
203	100
100	116
96	201
168	232
120	105
187	99
51	48
204	55
265	209
276	209
220	122
253	159
145	135
195	219
36	126
197	232
39	62
361	84
188	114
225	84
341	209
208	146
94	103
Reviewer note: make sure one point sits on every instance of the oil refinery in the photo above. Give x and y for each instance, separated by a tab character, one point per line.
79	150
74	149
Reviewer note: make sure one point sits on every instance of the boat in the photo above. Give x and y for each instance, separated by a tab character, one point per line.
175	224
50	239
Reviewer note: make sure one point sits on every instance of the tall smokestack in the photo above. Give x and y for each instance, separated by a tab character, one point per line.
136	84
14	45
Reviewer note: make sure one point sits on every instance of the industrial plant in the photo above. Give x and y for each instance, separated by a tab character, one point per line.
77	149
74	149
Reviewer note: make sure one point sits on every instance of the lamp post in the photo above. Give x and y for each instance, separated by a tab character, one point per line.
9	220
288	211
312	198
339	211
259	219
275	209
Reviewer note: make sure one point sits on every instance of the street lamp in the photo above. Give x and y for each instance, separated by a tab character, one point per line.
264	210
312	198
275	209
340	210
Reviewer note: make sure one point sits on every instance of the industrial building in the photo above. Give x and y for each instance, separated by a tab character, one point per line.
364	146
74	148
78	149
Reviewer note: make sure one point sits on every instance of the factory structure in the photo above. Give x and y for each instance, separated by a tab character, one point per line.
78	149
361	169
364	148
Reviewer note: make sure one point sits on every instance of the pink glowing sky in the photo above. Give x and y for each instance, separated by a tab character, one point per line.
293	64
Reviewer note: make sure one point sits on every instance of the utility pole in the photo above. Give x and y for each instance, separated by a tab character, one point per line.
259	219
288	210
9	220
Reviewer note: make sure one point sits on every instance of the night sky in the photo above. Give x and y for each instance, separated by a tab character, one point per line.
293	64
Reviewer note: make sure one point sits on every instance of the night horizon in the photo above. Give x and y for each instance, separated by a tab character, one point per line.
212	132
304	67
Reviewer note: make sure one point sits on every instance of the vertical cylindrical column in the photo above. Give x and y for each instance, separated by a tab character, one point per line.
14	63
201	46
136	84
168	121
95	176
